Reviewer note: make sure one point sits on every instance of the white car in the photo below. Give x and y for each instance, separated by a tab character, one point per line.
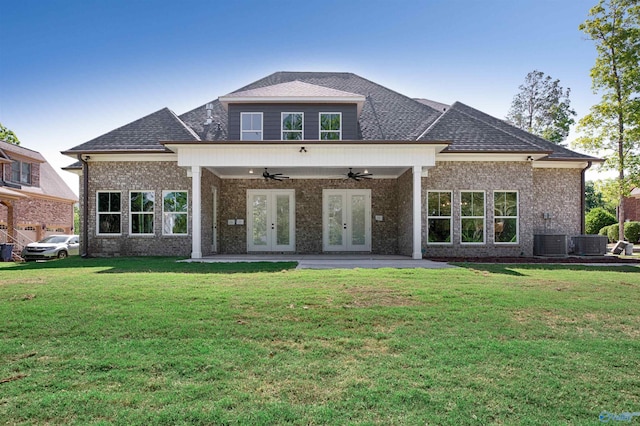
59	246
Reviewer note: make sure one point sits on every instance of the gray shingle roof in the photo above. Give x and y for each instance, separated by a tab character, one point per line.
473	130
143	134
386	115
196	118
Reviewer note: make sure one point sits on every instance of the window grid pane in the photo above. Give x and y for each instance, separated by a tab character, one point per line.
174	215
251	126
472	217
292	125
439	217
505	214
141	208
109	213
330	126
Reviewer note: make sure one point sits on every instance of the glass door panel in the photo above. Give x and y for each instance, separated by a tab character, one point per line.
336	220
271	220
347	220
358	221
283	231
259	216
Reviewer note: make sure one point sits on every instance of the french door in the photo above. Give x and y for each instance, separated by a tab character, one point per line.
270	220
346	219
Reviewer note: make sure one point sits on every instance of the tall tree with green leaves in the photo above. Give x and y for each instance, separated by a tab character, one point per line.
612	127
542	107
8	136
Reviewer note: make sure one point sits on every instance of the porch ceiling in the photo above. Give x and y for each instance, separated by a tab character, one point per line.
305	172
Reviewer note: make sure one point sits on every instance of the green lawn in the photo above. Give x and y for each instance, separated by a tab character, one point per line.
151	341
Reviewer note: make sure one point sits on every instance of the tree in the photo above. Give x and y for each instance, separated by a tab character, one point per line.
612	126
601	193
542	107
8	136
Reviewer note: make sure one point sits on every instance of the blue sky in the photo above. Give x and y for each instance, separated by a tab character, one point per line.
73	70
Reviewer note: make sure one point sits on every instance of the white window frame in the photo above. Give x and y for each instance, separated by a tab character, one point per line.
242	131
320	131
164	193
98	212
152	214
450	217
282	130
516	217
483	217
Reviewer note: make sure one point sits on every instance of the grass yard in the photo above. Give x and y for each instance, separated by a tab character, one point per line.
150	341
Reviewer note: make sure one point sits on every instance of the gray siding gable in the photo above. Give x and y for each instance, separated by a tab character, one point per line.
272	114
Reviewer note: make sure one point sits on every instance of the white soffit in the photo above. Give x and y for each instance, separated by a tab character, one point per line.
305	155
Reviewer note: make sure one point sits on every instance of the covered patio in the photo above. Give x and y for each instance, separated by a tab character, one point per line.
309	160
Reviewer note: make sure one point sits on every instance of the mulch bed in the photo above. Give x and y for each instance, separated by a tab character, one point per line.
568	259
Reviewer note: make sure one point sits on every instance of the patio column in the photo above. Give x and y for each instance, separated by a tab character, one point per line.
196	211
417	212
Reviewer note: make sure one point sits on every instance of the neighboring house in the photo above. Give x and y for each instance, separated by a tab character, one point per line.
445	180
34	200
632	206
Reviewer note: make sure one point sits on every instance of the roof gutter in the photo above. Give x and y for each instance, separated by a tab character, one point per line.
583	201
85	205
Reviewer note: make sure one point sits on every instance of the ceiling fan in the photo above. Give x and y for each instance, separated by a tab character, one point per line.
273	176
357	175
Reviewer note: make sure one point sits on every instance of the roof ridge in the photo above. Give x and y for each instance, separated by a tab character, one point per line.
433	124
375	115
187	128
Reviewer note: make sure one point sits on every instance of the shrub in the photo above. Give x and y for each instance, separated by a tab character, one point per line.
632	231
612	232
597	219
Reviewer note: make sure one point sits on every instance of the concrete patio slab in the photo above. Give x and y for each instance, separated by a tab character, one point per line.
329	261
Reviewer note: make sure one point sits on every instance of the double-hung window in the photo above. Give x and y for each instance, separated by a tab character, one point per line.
292	126
109	213
251	126
331	126
174	212
141	204
21	172
472	217
505	217
439	217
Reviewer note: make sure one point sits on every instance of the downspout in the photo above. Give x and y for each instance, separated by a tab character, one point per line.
85	205
583	201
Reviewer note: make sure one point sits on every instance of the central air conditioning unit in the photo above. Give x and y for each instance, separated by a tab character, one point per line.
550	245
590	245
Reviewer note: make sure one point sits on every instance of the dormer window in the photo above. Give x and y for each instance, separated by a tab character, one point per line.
21	172
292	125
251	126
331	126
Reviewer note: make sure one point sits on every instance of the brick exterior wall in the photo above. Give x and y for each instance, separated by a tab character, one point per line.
631	209
153	176
556	191
487	177
308	199
36	212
